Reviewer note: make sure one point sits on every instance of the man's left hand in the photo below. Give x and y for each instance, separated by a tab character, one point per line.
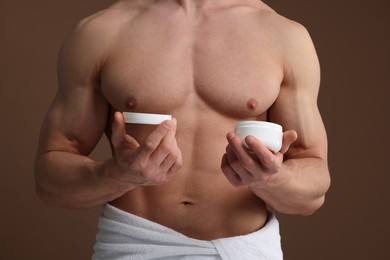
248	167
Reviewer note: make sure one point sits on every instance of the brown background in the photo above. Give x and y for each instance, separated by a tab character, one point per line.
352	40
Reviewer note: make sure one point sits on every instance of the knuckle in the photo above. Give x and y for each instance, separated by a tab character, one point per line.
148	171
248	163
149	145
269	159
174	169
275	169
232	159
135	166
245	179
236	164
163	128
236	183
165	177
168	176
179	165
118	144
225	168
168	149
273	165
176	154
271	170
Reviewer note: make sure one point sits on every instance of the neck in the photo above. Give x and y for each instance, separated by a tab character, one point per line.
197	6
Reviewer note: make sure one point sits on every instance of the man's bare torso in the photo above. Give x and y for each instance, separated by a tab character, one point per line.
208	69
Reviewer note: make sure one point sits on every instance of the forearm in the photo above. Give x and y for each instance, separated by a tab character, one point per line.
298	188
75	181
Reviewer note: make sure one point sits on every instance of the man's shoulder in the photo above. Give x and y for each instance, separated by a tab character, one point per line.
287	33
95	34
106	22
290	38
103	21
279	24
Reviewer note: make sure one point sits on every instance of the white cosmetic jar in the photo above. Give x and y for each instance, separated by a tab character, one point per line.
145	118
270	134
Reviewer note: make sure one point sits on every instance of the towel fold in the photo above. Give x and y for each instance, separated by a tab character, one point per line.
123	235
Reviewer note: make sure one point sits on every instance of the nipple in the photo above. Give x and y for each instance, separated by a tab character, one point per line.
131	103
252	104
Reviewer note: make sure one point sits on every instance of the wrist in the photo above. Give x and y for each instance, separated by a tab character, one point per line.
273	184
112	172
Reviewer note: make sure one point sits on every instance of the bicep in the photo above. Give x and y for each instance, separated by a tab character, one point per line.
77	117
74	123
296	106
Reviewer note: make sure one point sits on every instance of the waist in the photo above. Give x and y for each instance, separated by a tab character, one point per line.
123	234
205	211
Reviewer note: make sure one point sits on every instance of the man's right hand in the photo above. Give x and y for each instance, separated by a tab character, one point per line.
154	162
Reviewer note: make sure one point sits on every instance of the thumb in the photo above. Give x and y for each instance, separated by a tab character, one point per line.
289	137
118	135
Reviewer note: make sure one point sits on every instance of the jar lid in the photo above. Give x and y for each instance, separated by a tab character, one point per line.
145	118
259	124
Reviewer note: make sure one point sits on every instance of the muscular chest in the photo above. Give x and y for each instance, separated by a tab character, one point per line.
164	67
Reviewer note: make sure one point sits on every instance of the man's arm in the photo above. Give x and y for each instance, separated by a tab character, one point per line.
65	175
295	180
75	122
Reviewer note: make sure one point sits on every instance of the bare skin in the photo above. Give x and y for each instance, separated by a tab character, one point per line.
209	64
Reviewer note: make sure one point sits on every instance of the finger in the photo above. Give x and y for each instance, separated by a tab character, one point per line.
119	138
177	165
118	129
168	173
244	157
289	137
237	165
154	139
167	147
169	161
229	173
268	159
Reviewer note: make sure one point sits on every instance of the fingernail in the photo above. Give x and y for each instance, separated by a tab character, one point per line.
167	124
230	135
249	140
174	121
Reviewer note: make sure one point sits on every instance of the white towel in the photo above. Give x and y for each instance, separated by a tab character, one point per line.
123	235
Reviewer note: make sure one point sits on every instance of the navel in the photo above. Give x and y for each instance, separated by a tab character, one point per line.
186	203
252	104
131	103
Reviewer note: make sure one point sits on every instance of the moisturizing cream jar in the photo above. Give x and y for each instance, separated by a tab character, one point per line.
270	134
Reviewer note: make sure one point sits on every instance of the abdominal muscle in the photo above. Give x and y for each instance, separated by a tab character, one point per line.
207	209
198	202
